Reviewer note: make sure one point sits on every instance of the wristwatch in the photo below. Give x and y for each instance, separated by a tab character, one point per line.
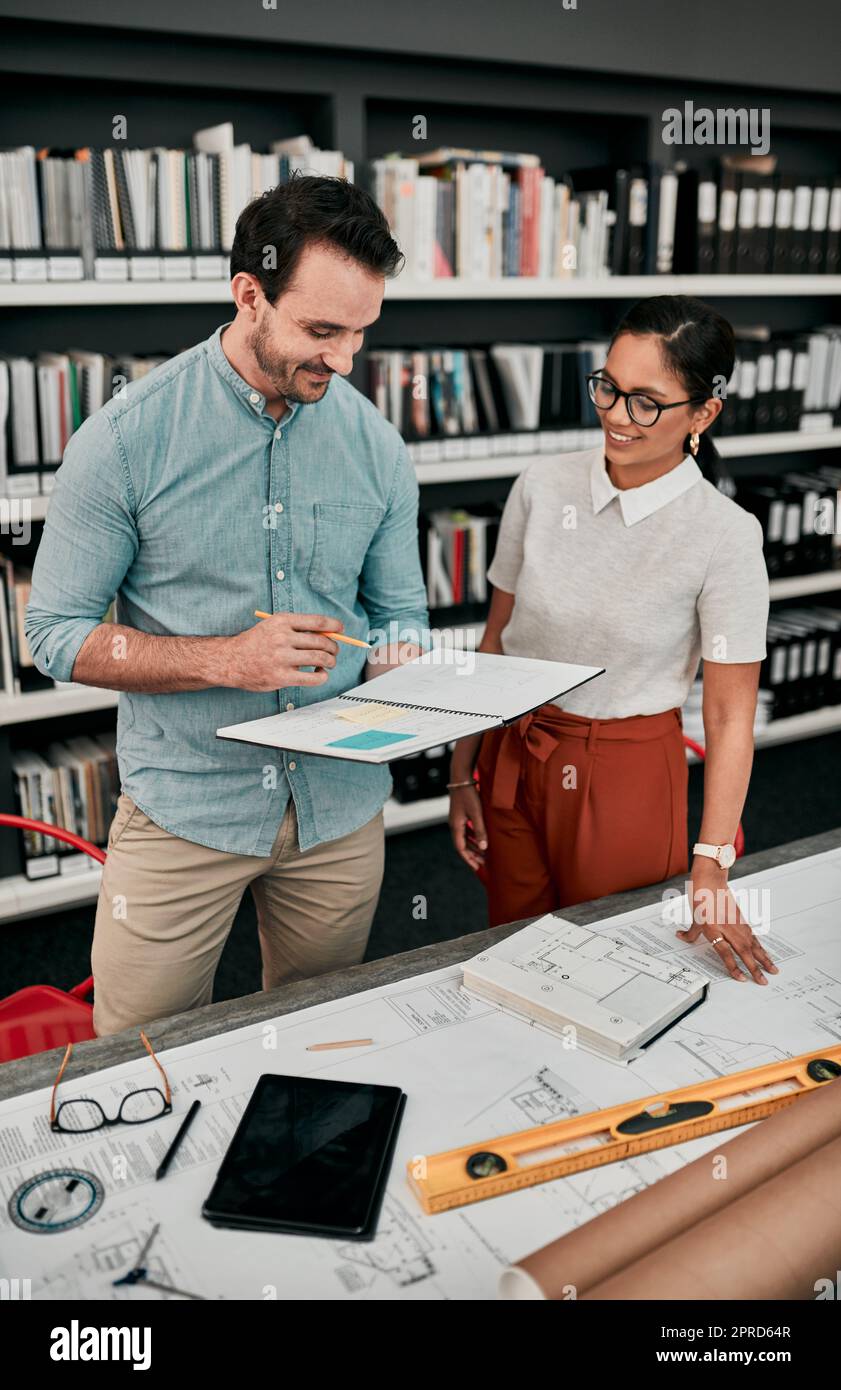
724	855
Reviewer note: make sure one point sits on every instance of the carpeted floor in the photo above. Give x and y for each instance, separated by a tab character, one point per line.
795	791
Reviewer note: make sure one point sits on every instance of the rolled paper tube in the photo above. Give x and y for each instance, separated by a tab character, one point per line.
601	1247
777	1242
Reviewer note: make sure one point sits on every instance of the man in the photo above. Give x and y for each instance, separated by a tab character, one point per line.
243	474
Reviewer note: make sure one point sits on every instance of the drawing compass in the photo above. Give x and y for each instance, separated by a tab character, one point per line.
140	1273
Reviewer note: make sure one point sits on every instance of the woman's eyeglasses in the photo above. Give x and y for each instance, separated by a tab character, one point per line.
641	408
137	1108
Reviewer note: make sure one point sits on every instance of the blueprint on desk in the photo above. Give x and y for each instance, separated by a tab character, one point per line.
470	1072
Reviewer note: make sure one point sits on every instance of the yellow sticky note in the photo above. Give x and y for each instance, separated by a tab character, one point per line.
372	714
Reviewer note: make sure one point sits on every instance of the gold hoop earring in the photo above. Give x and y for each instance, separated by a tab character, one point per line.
694	444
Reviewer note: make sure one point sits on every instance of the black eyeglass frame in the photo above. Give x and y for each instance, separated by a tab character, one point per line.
626	396
55	1112
58	1128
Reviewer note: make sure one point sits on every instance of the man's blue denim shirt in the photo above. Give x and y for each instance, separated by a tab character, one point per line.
193	506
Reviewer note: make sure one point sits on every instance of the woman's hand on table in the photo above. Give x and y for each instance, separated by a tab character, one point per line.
716	915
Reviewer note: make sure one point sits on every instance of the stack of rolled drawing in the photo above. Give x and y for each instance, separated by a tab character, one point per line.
758	1217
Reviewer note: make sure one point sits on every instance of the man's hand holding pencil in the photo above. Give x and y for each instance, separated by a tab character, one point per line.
275	653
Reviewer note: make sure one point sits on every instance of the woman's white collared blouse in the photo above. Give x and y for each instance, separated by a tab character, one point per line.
645	581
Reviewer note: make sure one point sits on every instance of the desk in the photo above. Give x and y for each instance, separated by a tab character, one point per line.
30	1073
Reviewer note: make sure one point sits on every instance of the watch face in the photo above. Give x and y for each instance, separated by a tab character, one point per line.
727	856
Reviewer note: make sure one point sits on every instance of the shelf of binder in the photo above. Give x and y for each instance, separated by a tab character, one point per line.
469	457
173	285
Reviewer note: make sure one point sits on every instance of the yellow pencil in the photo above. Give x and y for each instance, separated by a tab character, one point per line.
337	636
350	1042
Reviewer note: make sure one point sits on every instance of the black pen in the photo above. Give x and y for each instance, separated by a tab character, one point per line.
185	1125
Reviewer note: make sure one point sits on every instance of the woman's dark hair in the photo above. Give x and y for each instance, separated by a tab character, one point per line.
699	348
273	230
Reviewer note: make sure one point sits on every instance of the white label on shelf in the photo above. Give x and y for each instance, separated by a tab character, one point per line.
145	267
800	371
802	205
836	667
833	219
809	654
65	268
776	513
208	267
31	270
706	200
820	209
794	661
778	666
477	448
22	485
523	443
176	268
110	270
782	375
791	531
816	422
502	445
45	866
747	207
727	210
454	449
824	650
47	483
785	208
765	372
765	207
6	270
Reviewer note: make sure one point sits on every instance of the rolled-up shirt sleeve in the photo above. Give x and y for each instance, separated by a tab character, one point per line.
88	544
391	585
734	601
507	562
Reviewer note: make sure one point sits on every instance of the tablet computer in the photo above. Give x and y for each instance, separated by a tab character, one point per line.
310	1156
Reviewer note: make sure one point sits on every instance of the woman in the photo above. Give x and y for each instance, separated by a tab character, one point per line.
625	556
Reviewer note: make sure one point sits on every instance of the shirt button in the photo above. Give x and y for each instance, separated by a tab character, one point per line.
281	574
278	506
254	398
290	705
292	766
278	434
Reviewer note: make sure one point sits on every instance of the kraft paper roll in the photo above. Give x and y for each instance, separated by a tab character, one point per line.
774	1243
604	1246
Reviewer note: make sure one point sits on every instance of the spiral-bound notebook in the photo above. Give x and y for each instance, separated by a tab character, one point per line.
441	696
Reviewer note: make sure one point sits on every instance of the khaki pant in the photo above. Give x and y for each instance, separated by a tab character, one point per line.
166	906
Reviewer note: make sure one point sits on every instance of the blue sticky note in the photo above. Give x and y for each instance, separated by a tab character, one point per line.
369	738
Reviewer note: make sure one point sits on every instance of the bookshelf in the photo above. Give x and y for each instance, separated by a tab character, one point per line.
64	82
76	293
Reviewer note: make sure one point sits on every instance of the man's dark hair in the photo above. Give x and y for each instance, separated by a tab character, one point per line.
306	211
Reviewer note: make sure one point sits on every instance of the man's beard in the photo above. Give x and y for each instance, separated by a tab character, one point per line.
283	374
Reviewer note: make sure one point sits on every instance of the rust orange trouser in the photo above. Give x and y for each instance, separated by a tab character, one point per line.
577	808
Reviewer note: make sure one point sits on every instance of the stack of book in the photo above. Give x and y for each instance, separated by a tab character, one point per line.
73	784
459	548
486	214
784	381
144	214
800	515
802	670
449	393
18	672
750	219
43	400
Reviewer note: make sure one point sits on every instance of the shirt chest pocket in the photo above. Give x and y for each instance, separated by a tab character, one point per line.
343	531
